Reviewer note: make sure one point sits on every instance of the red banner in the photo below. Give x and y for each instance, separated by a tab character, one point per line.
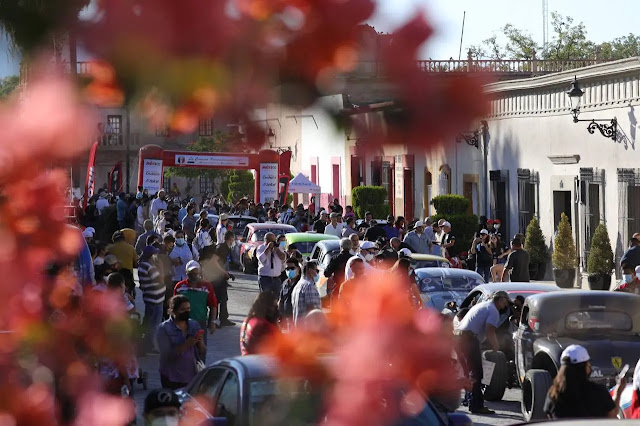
90	182
115	178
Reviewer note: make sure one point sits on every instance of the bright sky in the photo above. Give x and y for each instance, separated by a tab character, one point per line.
604	20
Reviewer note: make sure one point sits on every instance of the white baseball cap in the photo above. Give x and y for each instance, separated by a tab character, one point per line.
638	270
88	232
574	354
418	223
405	252
367	245
191	265
447	224
484	231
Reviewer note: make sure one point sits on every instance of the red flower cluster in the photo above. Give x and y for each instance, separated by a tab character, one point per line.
384	354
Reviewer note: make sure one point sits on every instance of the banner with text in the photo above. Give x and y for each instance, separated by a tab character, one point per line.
212	160
268	182
152	175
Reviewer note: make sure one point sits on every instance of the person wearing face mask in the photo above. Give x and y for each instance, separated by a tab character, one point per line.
630	283
285	305
161	408
355	244
366	253
181	255
305	296
181	343
260	325
336	268
202	297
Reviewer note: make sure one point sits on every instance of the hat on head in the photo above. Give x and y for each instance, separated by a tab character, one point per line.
490	221
446	224
161	398
501	295
637	270
88	232
574	354
428	220
405	252
497	221
110	259
116	235
484	231
149	250
191	265
192	200
224	216
333	214
418	223
367	245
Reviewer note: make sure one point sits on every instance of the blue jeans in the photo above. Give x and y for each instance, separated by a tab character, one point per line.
152	320
271	284
485	271
470	355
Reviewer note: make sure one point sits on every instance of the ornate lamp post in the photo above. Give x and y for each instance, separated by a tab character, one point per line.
575	98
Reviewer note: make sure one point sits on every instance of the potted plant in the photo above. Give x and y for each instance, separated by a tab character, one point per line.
600	261
538	251
564	256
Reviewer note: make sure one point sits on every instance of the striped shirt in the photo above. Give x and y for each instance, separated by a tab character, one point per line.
305	297
153	289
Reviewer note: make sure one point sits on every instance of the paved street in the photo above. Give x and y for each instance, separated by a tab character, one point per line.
225	343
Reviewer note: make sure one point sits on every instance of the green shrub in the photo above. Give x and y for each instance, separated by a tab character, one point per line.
600	260
463	226
372	199
535	243
450	204
241	183
564	249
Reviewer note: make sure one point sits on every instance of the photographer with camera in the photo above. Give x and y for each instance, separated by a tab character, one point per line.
484	255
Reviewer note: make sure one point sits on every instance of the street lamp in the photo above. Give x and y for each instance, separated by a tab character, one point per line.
575	99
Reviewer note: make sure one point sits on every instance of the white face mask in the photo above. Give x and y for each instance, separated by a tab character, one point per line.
165	421
368	257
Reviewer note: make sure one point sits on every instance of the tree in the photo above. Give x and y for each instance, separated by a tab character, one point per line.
520	45
8	85
600	260
535	243
564	249
241	183
570	41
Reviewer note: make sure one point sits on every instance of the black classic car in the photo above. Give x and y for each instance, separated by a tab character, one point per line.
607	324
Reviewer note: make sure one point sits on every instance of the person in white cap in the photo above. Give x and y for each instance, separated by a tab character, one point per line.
221	228
366	252
573	395
201	295
89	234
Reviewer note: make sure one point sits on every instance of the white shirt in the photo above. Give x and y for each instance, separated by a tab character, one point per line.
156	205
478	317
184	253
221	230
161	223
202	240
337	230
101	204
348	273
268	266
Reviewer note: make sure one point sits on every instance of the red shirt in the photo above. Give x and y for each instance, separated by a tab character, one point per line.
253	333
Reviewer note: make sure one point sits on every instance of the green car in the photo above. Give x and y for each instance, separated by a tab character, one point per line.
305	241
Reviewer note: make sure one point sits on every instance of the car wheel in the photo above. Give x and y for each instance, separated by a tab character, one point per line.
535	386
495	390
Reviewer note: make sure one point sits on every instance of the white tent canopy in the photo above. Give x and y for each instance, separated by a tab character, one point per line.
301	185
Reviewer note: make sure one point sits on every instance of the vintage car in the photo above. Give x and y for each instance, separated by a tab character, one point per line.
323	252
239	222
253	237
438	286
243	391
500	371
419	260
305	241
606	323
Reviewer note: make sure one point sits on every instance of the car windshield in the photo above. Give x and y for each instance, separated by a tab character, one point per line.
240	224
303	246
447	283
259	234
271	399
328	256
598	320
